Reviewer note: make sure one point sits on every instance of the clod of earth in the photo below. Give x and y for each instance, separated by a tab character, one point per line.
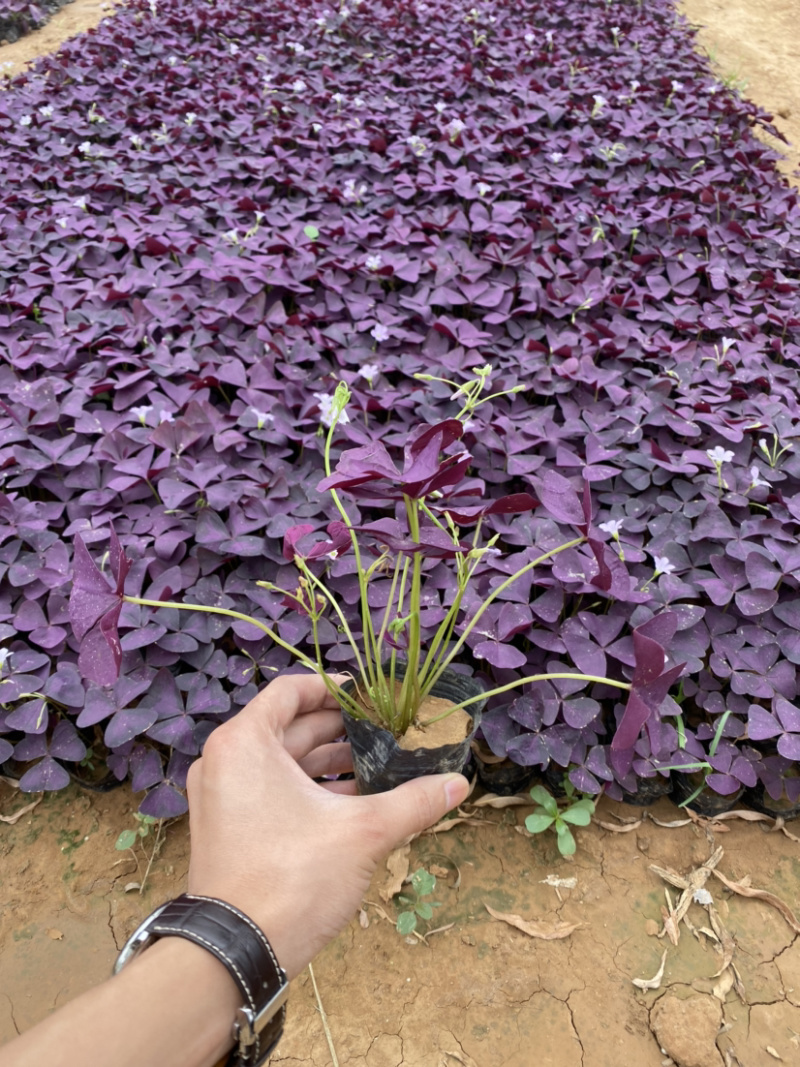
686	1029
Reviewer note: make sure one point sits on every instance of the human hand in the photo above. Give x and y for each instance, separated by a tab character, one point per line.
294	855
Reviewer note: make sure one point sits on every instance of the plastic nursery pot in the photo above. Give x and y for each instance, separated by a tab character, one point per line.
707	802
553	778
500	776
649	790
759	799
381	764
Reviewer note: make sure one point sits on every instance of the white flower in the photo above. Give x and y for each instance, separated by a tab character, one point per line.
719	454
757	479
373	262
344	12
529	39
321	22
454	128
142	412
556	157
380	332
634	85
316	126
162	136
166	416
350	191
86	148
190	118
153	7
46	112
677	86
26	120
298	49
326	409
615	30
80	202
483	188
359	102
63	222
4	656
369	371
234	48
232	236
299	86
417	145
727	343
663	565
261	417
440	106
599	100
613	526
338	98
136	140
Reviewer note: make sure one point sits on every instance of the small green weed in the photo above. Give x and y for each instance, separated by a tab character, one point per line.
423	884
547	813
128	839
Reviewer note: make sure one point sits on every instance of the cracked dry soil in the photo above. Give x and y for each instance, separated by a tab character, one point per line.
480	994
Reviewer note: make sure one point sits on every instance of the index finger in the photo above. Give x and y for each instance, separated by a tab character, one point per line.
291	695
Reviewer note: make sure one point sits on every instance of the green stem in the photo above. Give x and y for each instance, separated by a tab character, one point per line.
409	692
331	686
319	584
526	681
447	660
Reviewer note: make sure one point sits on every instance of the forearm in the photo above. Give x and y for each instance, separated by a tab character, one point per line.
173	1006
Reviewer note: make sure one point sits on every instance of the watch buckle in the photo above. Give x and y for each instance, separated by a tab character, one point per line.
249	1024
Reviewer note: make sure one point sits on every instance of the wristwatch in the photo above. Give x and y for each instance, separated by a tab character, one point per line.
241	946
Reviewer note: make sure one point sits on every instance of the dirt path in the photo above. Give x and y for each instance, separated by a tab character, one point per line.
481	993
756	44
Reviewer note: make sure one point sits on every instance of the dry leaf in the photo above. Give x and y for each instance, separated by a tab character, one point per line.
724	985
773	1053
626	829
55	935
440	929
490	800
668	825
129	888
380	911
533	928
11	819
448	824
559	883
762	894
655	981
363	919
397	864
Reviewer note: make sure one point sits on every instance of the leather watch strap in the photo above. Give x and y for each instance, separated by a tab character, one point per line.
242	947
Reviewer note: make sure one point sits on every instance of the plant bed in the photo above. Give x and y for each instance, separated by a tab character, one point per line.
18	17
609	238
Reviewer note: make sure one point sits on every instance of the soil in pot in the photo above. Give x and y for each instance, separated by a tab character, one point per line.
707	802
381	761
648	791
498	775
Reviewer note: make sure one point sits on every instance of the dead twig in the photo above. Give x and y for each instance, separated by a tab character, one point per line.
762	894
324	1017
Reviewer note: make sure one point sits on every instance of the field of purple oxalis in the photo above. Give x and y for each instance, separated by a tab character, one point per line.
212	215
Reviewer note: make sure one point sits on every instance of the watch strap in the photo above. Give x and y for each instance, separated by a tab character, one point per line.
239	944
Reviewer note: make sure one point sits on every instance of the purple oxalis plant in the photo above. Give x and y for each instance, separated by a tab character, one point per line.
167	362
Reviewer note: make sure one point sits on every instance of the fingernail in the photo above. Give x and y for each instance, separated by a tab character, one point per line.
454	789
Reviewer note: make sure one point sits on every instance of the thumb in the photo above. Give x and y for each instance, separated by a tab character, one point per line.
414	806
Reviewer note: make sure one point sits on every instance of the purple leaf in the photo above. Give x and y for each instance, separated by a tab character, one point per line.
164	802
44	775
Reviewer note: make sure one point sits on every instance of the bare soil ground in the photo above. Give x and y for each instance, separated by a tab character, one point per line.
481	993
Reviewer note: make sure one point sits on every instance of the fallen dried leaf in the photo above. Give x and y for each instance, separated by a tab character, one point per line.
11	819
363	919
775	1055
761	894
626	829
440	929
55	935
655	981
448	824
397	864
533	928
668	825
129	888
379	910
559	883
490	800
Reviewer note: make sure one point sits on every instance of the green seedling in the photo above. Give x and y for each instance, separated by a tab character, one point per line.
423	884
547	813
128	839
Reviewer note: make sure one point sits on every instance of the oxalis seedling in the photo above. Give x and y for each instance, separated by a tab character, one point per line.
423	884
129	838
547	813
